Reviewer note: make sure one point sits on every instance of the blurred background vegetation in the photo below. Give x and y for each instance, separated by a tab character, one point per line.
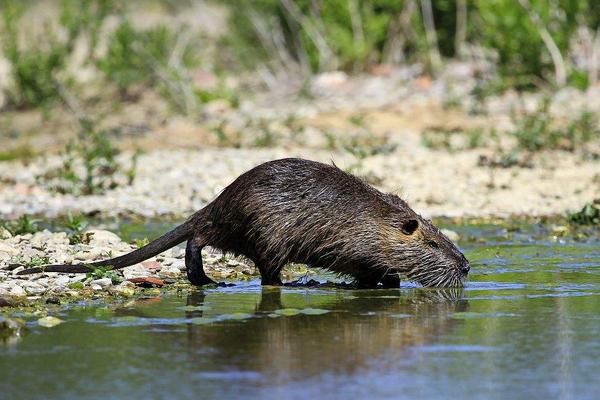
87	60
531	43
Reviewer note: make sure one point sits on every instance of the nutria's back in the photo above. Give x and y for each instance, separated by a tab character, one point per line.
295	210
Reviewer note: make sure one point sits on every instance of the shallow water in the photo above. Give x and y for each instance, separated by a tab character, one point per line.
527	325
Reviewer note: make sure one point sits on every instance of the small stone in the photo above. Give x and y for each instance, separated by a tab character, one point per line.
103	282
7	248
62	280
147	282
125	289
49	322
33	288
6	302
152	265
17	270
135	271
100	238
89	255
96	288
17	291
170	272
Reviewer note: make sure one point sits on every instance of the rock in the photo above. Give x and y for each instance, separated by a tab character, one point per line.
49	321
8	249
96	288
6	302
100	238
103	282
33	288
44	239
135	271
152	265
17	291
89	255
77	278
177	252
62	280
453	236
170	272
125	289
330	80
15	271
147	282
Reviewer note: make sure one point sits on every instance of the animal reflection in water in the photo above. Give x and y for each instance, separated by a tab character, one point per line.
358	328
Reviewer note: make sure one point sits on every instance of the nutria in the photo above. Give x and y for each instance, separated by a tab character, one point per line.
299	211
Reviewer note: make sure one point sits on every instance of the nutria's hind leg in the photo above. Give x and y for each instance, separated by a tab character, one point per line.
193	264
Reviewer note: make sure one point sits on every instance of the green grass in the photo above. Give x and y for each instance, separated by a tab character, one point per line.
22	226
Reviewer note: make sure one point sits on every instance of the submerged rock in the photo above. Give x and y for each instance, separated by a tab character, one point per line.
49	321
11	330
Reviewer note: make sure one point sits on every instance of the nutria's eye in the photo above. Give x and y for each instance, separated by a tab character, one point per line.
433	244
409	227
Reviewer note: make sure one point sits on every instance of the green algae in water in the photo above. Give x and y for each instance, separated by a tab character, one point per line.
287	312
202	320
313	311
194	308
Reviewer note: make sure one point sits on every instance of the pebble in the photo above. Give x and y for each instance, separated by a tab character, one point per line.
169	272
135	271
102	282
17	291
33	288
125	289
49	322
101	238
8	249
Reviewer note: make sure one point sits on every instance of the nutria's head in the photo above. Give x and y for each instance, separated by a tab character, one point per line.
422	253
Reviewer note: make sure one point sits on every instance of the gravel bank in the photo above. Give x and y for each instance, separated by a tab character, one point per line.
435	183
166	269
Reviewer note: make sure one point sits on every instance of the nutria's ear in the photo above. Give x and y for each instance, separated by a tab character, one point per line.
409	226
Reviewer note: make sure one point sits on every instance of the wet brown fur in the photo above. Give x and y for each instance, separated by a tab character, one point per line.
300	211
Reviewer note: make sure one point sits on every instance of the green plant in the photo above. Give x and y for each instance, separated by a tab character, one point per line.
539	130
37	261
75	226
21	226
104	272
589	214
90	165
34	261
158	57
36	69
139	243
266	137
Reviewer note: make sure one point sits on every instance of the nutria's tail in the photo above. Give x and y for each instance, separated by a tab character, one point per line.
170	239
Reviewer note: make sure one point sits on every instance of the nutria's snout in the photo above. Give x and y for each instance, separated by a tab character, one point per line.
429	257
